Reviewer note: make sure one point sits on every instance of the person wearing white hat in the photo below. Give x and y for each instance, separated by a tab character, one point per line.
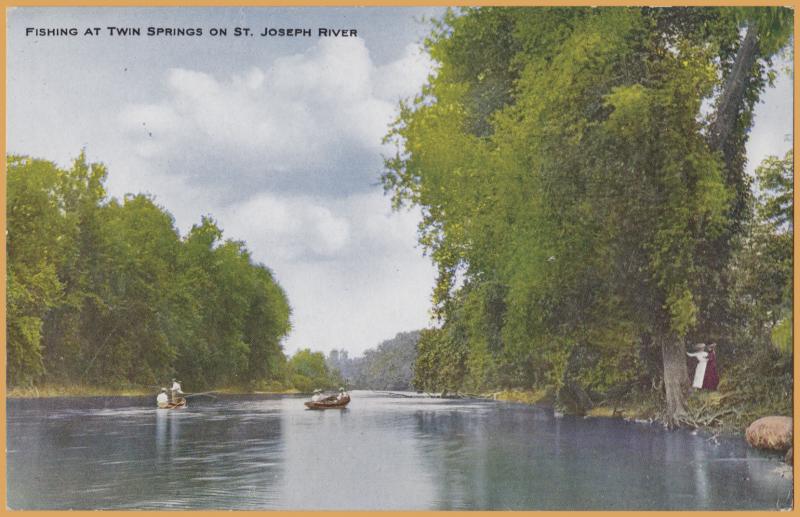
175	390
702	360
342	394
317	396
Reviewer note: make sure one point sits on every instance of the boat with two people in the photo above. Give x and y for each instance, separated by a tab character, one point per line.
165	401
320	401
175	398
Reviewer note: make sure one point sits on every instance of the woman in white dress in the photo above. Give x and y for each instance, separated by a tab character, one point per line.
702	360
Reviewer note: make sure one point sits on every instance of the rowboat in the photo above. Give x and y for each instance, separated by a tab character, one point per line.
331	402
178	404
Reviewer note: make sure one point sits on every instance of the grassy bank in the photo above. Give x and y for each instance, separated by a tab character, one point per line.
49	391
540	397
76	391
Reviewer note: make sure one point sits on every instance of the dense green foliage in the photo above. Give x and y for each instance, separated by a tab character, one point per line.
309	371
585	211
760	356
389	366
106	292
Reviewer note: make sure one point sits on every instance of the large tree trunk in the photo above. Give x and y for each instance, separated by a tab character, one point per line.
676	379
731	98
727	135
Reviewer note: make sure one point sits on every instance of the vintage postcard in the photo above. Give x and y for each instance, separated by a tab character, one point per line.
399	258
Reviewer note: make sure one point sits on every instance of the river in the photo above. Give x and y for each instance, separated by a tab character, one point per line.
269	452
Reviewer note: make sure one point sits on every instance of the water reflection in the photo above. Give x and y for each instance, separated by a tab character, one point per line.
523	458
700	470
272	453
359	458
162	454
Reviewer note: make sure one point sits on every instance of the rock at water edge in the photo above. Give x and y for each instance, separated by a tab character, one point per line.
770	432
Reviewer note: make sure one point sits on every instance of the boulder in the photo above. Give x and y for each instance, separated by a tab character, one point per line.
770	432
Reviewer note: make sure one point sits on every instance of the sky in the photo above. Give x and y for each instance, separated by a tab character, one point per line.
279	139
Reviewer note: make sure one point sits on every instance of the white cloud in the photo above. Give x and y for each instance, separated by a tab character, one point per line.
307	122
357	305
290	228
349	265
414	67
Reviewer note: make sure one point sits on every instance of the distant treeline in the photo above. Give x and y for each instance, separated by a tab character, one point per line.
389	366
107	292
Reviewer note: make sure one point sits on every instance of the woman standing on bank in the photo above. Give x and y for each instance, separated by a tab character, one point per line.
711	378
702	360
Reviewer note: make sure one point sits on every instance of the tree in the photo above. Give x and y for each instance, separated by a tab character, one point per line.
35	222
105	292
763	265
130	331
308	371
238	313
594	202
267	321
389	366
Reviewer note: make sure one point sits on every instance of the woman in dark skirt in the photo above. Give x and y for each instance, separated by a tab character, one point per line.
711	379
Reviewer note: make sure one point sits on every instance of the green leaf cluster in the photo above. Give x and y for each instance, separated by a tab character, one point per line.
106	292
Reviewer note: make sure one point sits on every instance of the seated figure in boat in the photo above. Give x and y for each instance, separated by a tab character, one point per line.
342	394
162	400
174	391
317	395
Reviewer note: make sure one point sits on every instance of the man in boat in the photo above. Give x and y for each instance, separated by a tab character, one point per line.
162	400
342	394
175	390
317	395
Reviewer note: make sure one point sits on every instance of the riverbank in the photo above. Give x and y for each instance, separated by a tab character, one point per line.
716	412
629	411
51	391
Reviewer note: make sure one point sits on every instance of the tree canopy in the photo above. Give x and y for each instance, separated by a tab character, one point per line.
580	199
106	292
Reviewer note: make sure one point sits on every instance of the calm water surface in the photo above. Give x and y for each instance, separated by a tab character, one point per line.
269	452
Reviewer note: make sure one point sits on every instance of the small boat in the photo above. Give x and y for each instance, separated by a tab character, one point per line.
178	404
331	402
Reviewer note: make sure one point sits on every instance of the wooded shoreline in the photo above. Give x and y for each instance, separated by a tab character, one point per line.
590	220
